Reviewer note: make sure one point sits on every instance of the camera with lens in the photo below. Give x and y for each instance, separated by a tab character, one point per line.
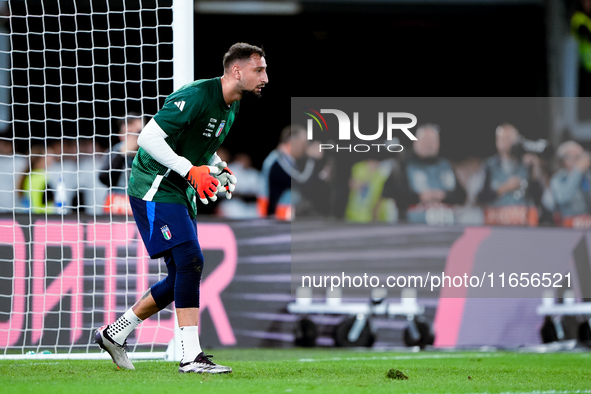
539	147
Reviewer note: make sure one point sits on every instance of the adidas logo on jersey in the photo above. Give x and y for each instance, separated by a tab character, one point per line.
180	104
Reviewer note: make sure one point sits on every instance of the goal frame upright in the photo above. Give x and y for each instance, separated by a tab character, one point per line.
183	65
183	73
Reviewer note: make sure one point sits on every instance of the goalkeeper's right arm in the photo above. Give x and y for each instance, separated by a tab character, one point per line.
152	139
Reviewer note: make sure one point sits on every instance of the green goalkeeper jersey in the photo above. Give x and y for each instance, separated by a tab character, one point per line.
196	120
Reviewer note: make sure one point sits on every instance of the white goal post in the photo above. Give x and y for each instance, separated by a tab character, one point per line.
72	74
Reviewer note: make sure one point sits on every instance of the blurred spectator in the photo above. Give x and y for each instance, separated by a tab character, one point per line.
11	166
116	170
33	189
426	187
581	30
224	154
292	163
91	192
571	186
513	182
74	167
470	173
62	172
314	192
243	204
366	203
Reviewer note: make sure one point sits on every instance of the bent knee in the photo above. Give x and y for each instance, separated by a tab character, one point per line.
188	257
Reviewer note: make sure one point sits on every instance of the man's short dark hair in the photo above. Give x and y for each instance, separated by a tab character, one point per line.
241	51
290	131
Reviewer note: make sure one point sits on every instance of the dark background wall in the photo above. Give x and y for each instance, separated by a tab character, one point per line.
422	51
329	49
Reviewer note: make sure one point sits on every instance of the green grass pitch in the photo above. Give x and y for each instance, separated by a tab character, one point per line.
313	371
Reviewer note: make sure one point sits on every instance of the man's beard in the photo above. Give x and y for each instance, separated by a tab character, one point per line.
250	95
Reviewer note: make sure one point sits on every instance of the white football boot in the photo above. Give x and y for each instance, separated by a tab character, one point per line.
202	364
118	352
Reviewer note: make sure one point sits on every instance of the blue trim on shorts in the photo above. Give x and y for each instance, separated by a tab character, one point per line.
151	213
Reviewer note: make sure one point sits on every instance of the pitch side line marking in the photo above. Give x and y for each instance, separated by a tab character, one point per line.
543	392
410	357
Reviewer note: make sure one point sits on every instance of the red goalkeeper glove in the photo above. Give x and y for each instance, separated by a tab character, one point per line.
206	186
227	179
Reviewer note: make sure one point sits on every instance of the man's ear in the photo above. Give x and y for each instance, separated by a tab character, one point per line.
236	71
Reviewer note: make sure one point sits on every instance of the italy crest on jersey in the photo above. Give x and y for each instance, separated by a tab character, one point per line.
220	129
166	232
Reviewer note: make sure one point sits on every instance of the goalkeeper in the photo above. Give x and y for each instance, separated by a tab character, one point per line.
175	164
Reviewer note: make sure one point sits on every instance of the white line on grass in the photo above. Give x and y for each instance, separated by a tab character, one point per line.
544	392
409	357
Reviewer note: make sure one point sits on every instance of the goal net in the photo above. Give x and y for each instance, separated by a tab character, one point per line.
76	77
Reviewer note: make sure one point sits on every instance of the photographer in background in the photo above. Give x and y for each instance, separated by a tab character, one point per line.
571	186
514	182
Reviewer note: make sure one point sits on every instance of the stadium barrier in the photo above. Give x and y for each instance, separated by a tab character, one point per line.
62	277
